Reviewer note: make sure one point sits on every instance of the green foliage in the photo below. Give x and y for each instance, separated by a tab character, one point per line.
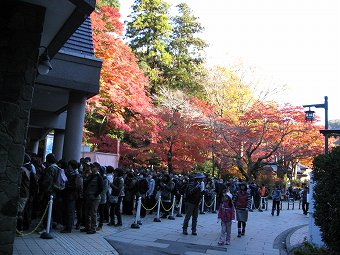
187	51
309	249
111	3
327	199
148	33
205	167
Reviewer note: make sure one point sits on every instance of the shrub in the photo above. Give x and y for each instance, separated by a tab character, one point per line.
327	197
309	249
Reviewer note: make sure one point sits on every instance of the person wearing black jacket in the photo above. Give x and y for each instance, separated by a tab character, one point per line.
193	197
73	187
116	198
93	186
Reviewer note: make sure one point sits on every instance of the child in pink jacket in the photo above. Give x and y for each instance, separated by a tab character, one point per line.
226	213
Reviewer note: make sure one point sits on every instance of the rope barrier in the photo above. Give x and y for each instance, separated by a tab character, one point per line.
35	229
150	208
209	205
164	207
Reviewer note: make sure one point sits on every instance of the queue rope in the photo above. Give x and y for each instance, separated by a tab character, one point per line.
164	207
150	208
210	204
35	229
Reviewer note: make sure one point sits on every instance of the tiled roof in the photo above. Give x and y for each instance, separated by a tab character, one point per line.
81	40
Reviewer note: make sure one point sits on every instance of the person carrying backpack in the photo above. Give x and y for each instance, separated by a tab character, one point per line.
276	196
47	181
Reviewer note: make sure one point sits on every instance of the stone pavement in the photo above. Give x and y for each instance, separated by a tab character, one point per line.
265	235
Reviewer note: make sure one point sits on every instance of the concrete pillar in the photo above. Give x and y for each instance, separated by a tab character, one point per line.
313	230
74	126
58	143
21	27
35	147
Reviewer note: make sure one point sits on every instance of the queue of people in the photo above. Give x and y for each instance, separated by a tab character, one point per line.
86	196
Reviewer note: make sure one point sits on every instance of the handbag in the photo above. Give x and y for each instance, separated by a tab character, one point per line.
113	199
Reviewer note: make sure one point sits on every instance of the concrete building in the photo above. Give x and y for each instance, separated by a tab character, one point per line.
30	104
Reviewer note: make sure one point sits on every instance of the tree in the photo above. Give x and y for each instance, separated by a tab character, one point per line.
110	3
181	141
122	98
227	92
148	34
298	147
326	172
259	133
187	52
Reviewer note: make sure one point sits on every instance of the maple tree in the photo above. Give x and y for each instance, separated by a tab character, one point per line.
260	133
181	141
122	97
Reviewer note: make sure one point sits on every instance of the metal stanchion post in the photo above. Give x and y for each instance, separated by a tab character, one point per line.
202	209
47	234
179	213
214	211
139	204
134	202
171	217
158	219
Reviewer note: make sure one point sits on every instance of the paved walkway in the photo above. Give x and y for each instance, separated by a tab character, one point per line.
265	235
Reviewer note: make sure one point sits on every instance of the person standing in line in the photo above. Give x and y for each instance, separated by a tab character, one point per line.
150	197
276	196
24	191
93	186
116	198
70	194
103	198
242	201
193	196
226	213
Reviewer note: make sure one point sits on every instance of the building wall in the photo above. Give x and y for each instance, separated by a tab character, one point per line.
21	27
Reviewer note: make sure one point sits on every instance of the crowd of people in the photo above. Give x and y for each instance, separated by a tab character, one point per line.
87	195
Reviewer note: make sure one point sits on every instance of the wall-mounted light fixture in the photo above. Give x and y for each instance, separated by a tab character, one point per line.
44	65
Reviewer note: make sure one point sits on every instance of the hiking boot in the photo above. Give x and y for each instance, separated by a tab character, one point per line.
243	232
185	232
118	225
91	232
111	223
194	233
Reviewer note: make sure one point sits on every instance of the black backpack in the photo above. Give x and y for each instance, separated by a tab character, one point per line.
143	186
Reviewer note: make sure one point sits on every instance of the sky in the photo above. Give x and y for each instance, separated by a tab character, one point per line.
291	42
